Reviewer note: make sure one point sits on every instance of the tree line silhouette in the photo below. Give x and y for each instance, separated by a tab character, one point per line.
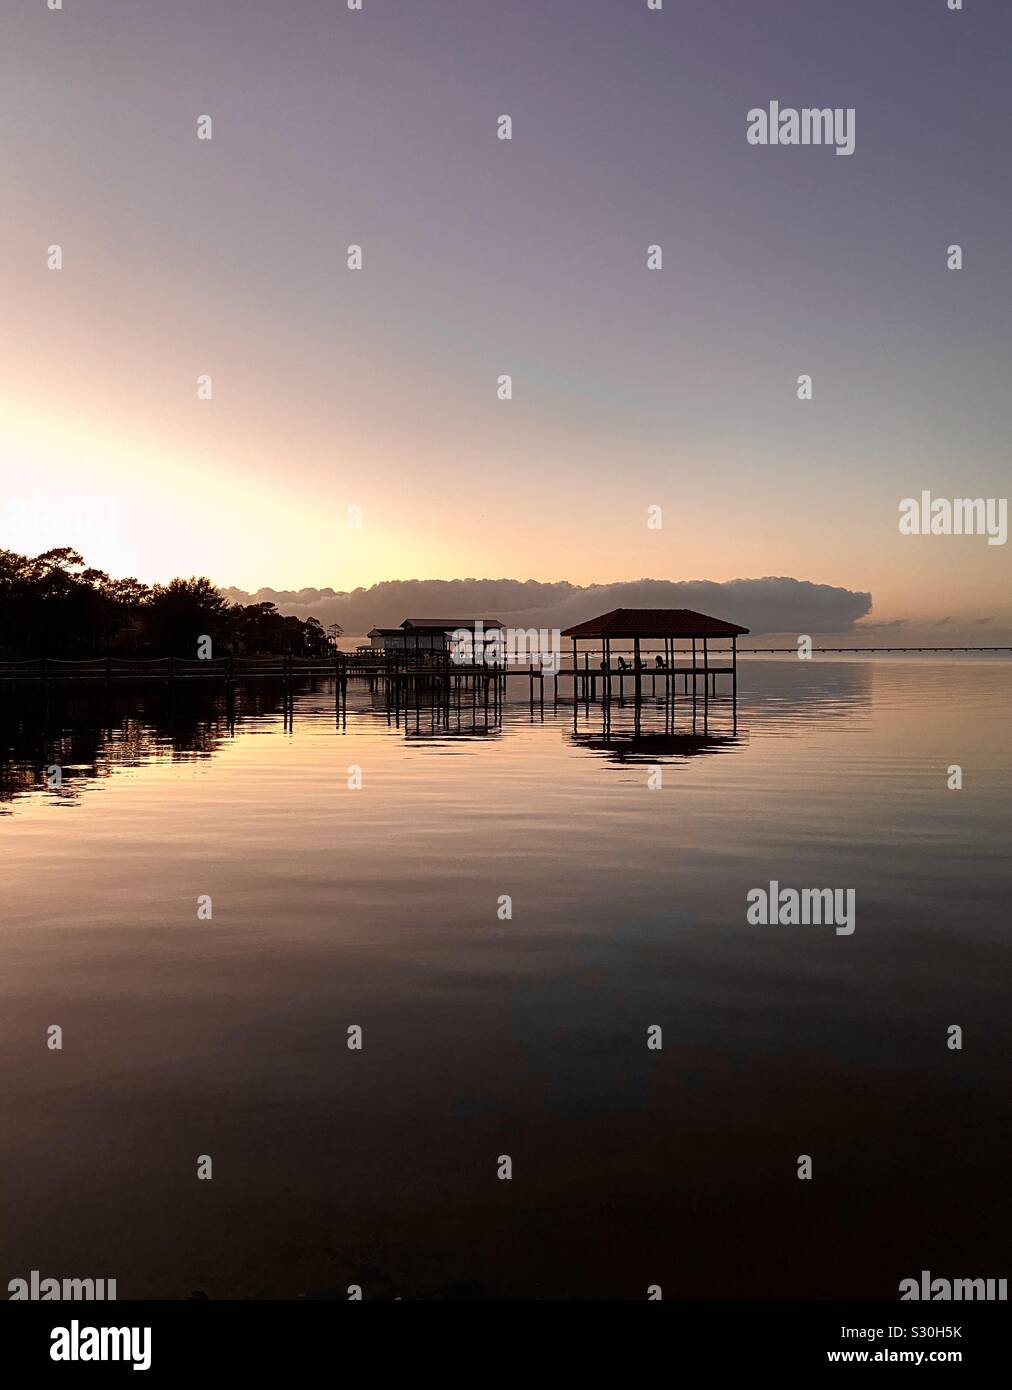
54	604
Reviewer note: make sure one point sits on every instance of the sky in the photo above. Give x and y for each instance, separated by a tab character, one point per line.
632	389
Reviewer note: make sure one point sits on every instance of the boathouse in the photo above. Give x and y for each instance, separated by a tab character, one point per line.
426	635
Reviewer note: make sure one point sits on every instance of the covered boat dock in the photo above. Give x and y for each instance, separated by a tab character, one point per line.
651	636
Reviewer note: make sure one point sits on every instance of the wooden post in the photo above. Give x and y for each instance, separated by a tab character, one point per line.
693	684
637	665
706	682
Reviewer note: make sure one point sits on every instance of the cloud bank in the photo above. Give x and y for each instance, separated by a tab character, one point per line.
771	605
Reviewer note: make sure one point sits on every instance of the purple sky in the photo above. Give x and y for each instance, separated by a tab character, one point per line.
631	388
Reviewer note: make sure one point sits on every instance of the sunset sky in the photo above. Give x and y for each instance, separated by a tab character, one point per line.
632	388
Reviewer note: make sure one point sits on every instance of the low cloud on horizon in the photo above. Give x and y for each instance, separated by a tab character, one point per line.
765	606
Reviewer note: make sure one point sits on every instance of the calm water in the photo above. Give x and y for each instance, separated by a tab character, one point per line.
378	907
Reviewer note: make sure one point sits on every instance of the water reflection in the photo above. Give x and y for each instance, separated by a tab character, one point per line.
780	692
379	907
89	732
783	698
653	748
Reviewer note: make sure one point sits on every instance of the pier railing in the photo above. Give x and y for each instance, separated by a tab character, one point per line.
341	664
164	667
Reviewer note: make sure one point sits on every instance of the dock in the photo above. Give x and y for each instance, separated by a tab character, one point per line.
595	679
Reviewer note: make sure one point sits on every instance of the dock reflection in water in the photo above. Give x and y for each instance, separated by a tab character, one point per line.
378	907
90	731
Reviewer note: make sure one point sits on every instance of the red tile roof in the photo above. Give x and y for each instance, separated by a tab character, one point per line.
654	622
